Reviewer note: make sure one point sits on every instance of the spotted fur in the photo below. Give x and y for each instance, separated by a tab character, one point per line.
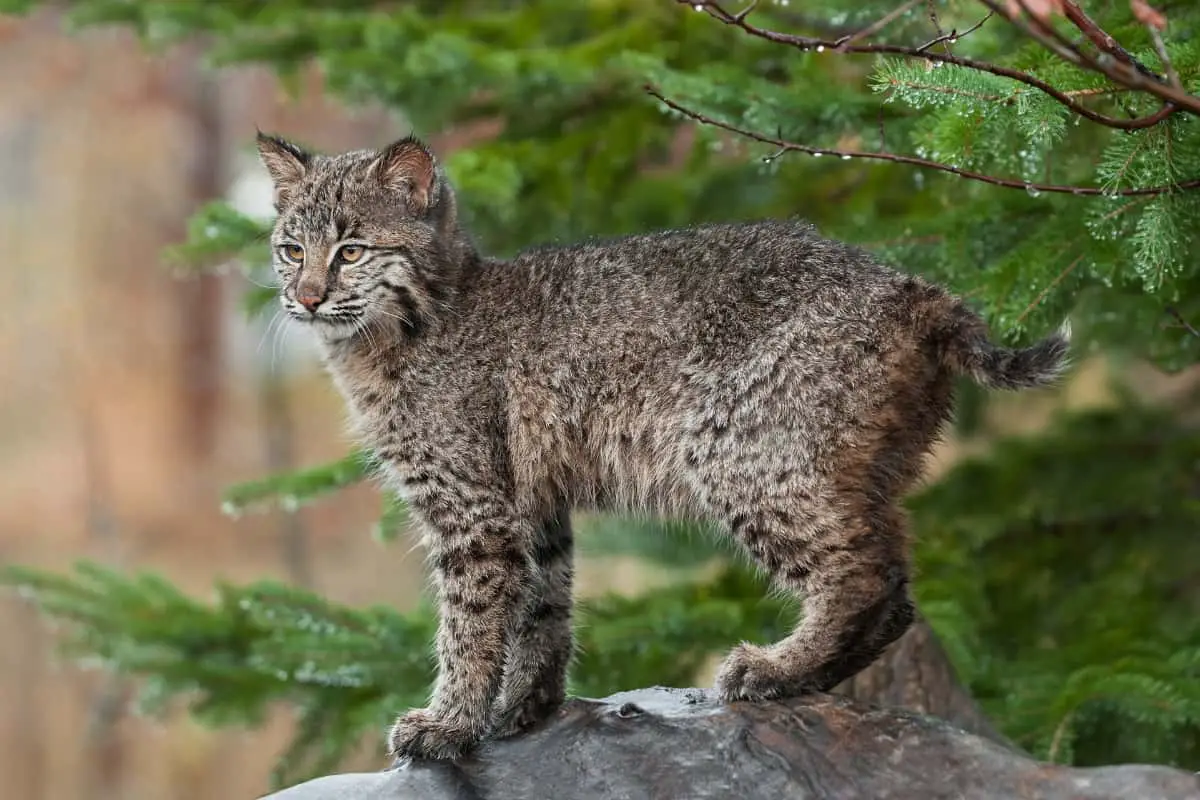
781	385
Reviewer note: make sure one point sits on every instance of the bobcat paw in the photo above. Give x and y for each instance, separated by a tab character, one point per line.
420	734
751	672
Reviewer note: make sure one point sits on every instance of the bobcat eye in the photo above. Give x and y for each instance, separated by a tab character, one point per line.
293	253
351	253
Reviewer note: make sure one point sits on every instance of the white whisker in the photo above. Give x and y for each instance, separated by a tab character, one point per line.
272	329
369	334
284	331
392	315
249	276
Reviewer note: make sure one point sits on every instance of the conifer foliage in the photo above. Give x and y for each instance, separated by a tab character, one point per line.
1041	157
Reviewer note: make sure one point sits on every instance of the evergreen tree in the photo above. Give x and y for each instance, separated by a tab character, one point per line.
1039	157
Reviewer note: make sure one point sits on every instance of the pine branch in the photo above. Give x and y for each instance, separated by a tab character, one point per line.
350	670
290	490
1010	183
843	45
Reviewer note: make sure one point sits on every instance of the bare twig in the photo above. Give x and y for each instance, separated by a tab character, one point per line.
1107	65
1040	13
1048	288
954	35
1060	732
1101	38
1098	90
785	146
745	12
1187	326
931	9
1160	48
1148	15
806	43
879	24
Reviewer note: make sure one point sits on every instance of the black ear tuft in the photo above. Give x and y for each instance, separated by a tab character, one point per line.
409	167
286	162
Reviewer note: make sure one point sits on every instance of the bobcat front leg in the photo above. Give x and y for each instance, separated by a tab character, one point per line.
535	675
479	549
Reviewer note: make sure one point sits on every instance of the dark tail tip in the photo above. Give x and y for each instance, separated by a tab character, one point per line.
1039	365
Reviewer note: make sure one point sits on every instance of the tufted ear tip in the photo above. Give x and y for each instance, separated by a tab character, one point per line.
409	167
286	162
275	148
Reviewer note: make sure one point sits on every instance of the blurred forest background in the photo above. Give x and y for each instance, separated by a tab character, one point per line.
1060	565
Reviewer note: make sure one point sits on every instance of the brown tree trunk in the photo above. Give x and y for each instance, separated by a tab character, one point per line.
915	674
279	442
201	309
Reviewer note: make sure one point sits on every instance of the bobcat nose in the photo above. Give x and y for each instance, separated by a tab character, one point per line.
310	297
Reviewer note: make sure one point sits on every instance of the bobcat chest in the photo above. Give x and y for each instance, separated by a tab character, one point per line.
380	410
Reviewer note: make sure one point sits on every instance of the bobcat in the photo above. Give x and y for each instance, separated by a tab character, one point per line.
758	376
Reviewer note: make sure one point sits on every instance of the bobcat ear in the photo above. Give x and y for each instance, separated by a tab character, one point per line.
409	168
287	163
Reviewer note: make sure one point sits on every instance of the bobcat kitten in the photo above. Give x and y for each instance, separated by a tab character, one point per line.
779	384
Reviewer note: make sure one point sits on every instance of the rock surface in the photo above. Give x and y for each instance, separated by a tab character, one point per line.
684	744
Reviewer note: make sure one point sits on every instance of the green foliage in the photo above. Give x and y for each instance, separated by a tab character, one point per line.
349	671
667	542
1075	613
1055	569
394	519
345	670
293	489
217	232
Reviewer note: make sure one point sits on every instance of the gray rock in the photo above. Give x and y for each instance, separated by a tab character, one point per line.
668	744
